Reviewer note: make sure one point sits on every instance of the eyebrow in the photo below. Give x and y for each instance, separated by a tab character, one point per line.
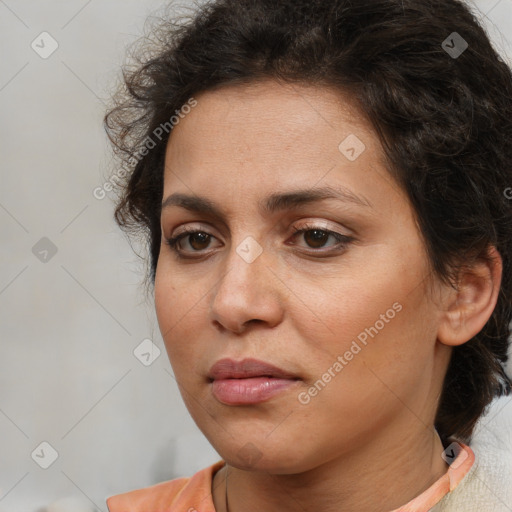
273	203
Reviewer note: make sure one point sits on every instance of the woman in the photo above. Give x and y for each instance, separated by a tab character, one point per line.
323	189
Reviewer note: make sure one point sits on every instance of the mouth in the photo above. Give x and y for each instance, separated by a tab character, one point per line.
249	381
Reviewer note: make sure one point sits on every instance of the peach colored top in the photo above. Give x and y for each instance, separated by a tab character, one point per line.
193	494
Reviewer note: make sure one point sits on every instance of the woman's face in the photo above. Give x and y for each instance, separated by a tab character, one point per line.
348	319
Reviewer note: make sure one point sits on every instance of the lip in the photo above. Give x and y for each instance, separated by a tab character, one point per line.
249	381
230	369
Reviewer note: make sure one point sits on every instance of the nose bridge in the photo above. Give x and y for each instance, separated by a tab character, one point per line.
244	291
244	267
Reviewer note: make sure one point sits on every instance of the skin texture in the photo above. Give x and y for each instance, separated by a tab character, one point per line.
371	426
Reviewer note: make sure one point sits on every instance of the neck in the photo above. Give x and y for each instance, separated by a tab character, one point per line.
394	475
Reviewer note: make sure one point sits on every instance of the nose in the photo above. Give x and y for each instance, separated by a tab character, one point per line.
247	293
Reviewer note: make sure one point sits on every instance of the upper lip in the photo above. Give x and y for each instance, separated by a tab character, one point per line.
231	369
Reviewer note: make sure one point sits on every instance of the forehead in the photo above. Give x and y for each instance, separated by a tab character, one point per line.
268	135
270	113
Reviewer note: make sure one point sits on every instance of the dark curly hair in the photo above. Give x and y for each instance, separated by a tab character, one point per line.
444	120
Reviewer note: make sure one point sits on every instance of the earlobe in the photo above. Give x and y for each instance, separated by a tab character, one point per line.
467	309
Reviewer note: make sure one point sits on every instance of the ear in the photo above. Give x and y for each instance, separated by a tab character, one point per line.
467	309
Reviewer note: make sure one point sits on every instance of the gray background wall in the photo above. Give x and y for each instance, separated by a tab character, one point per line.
72	311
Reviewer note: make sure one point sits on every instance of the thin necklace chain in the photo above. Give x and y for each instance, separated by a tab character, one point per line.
226	496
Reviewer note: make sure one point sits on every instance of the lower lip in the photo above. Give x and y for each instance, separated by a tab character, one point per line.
249	391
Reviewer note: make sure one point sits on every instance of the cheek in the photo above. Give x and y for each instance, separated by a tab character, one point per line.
354	300
379	313
165	301
178	311
383	363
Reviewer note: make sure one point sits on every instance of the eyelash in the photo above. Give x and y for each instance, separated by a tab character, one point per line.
342	240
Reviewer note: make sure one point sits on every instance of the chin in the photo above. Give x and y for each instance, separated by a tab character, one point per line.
253	456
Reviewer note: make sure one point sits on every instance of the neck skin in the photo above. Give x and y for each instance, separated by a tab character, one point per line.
379	477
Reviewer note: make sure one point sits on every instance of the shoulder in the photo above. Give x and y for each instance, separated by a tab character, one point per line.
488	485
187	494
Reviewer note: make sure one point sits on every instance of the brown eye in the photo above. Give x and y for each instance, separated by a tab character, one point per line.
316	238
199	240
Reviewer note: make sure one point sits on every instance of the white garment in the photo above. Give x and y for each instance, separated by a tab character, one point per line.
488	485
